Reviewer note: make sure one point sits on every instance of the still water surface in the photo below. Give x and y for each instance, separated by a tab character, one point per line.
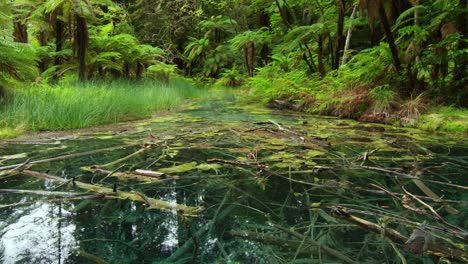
241	170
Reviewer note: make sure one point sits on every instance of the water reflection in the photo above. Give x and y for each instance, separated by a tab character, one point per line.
37	234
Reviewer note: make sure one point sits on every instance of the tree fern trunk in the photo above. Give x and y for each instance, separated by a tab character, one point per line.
58	39
246	59
42	37
389	36
20	33
340	42
139	70
321	68
82	43
251	58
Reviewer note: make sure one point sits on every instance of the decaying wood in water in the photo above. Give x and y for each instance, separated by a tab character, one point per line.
395	236
463	233
155	203
281	128
423	187
68	156
91	257
366	155
20	166
398	195
408	176
148	173
326	249
301	137
122	175
145	198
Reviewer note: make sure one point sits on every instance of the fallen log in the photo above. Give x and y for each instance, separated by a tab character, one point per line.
148	173
154	203
133	176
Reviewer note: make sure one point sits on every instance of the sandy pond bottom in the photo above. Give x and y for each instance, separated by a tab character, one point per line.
233	177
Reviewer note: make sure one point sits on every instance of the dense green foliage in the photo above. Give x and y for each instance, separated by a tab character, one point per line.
381	61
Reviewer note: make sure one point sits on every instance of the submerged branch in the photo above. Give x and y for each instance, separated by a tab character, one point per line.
326	249
397	237
68	156
155	203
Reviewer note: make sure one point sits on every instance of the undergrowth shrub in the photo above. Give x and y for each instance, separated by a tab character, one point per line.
161	72
231	78
346	92
446	118
383	97
411	110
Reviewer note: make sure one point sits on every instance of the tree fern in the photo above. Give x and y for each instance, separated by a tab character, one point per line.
17	60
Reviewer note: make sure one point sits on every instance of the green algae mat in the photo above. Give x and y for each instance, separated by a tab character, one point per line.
222	183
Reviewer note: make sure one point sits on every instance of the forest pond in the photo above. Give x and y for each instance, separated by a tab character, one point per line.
223	183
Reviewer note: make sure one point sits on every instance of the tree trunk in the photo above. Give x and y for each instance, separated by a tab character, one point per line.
252	58
263	20
82	43
306	50
389	36
42	37
348	37
20	33
340	42
58	39
321	68
139	70
459	72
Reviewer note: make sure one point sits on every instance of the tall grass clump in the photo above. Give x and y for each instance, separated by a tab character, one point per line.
70	105
445	118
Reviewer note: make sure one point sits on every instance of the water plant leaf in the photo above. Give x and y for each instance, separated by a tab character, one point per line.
206	167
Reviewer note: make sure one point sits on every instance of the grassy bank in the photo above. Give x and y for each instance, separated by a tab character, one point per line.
354	100
378	95
445	119
71	105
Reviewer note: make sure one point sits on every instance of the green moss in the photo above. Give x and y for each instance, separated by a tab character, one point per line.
180	168
6	133
445	119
